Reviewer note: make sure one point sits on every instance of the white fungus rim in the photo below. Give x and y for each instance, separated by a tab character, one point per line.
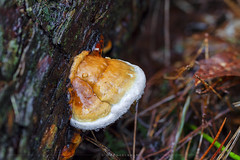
117	110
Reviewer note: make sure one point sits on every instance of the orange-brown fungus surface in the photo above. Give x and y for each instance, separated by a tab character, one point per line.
86	105
69	149
97	83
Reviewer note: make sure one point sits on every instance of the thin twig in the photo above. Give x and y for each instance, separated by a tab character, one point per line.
93	135
204	107
208	86
139	157
150	129
187	150
167	32
125	141
233	6
106	150
236	104
236	136
135	130
206	46
192	134
167	99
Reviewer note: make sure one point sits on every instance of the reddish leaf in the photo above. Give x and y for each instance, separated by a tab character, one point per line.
222	64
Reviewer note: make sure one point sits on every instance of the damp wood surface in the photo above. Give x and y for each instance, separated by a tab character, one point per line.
38	40
189	51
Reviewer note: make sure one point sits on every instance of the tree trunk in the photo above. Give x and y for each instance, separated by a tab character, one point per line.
38	40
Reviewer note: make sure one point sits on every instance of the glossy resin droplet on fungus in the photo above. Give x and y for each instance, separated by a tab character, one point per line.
103	89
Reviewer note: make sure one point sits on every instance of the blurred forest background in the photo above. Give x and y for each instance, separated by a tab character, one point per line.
189	51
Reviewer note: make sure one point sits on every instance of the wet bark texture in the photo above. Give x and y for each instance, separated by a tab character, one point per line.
38	40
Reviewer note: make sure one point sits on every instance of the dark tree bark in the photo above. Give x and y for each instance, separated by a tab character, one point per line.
38	40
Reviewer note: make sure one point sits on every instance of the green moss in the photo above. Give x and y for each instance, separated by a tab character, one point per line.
20	2
49	28
115	145
76	37
13	46
29	9
143	131
178	156
46	15
10	60
164	88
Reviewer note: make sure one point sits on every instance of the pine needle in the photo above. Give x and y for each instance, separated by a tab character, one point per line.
218	150
106	150
231	154
217	144
215	139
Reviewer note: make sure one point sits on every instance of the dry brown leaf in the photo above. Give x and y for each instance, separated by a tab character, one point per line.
219	65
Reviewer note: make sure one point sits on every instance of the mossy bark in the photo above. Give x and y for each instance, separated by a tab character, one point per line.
38	40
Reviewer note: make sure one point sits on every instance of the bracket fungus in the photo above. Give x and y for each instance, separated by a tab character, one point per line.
102	90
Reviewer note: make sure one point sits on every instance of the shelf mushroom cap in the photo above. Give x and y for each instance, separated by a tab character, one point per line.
103	89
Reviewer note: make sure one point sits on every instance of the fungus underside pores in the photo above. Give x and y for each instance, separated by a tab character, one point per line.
102	90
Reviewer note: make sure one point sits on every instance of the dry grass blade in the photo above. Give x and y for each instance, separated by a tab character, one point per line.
185	108
140	157
152	124
134	133
94	135
126	144
236	134
218	150
204	108
190	135
233	6
107	151
187	150
167	99
234	142
166	156
167	32
199	145
208	86
188	67
236	104
179	74
219	131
